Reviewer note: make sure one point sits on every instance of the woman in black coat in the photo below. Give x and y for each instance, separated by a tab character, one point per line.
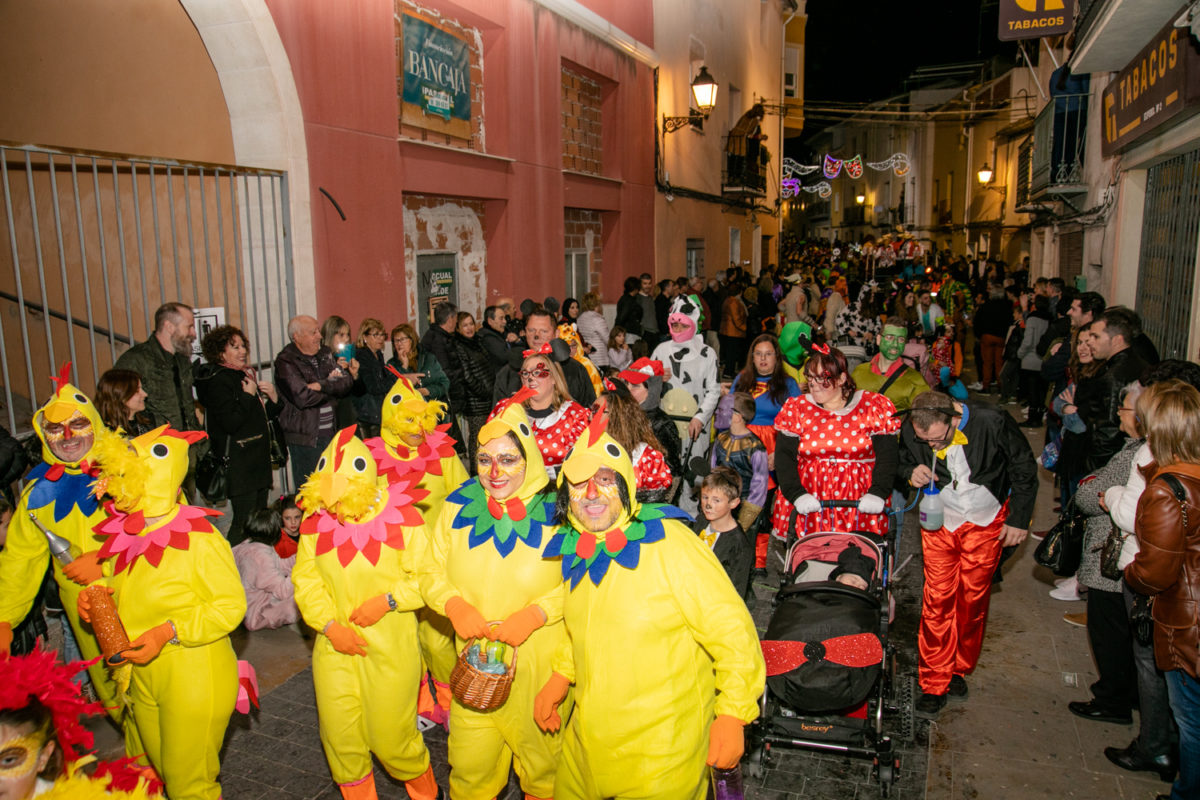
473	399
236	407
373	381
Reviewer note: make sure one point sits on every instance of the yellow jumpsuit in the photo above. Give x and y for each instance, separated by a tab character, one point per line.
182	700
482	745
366	704
23	559
656	653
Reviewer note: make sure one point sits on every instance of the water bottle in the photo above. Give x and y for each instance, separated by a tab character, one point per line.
60	548
727	783
932	509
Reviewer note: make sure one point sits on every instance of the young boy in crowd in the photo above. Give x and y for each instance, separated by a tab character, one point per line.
742	451
720	495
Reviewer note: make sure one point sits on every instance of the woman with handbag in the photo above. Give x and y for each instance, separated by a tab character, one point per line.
237	409
1167	565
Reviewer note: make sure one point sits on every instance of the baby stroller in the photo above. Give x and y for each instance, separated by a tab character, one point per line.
831	670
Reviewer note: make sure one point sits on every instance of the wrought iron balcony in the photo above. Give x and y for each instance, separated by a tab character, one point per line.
1059	136
743	177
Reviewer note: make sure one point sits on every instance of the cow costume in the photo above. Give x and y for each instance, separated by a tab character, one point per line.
693	364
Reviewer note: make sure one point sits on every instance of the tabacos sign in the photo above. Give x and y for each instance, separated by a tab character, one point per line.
1031	19
1156	87
435	77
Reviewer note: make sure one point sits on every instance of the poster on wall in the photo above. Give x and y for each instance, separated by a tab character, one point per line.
206	320
441	288
435	77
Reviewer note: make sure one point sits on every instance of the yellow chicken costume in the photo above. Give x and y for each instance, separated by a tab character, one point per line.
663	654
569	334
58	493
178	592
356	583
485	563
412	446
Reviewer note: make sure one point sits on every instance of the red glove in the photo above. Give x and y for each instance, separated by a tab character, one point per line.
84	607
85	569
726	742
371	611
5	638
516	629
467	621
545	705
146	647
345	640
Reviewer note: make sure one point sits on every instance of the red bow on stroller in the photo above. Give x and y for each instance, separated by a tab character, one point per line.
856	650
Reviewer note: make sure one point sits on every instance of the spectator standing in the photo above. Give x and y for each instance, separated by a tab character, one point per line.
662	302
1032	384
492	334
417	366
121	401
570	311
309	382
1110	337
164	363
991	325
645	300
593	330
479	380
236	408
373	380
335	334
539	331
734	316
929	313
629	310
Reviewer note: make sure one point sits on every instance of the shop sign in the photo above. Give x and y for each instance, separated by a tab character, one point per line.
1160	83
440	287
435	77
1031	19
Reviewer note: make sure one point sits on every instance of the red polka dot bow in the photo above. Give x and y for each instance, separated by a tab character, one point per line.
856	650
544	350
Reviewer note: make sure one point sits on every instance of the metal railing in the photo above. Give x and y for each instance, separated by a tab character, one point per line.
1059	136
97	241
1024	171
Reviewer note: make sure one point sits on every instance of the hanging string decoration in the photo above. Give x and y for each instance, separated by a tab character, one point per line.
898	164
853	167
831	167
790	185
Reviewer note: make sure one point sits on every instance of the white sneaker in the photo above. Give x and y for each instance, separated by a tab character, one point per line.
1063	581
1068	591
976	386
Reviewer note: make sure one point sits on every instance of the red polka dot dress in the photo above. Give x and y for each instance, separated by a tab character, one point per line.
556	433
650	469
834	459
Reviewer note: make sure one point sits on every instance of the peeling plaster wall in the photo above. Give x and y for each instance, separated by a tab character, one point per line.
441	225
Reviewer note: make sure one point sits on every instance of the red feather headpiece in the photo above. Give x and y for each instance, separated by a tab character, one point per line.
38	676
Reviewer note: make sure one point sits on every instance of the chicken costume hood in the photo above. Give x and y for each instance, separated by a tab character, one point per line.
67	403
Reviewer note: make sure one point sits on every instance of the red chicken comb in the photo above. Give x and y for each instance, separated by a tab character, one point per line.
599	423
191	437
62	378
343	438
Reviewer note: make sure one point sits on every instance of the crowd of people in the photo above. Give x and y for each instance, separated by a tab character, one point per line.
527	481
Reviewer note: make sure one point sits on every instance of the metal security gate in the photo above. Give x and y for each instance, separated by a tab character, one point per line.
1167	265
96	242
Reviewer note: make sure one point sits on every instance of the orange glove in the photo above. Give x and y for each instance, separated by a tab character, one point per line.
84	607
467	621
85	569
146	647
345	640
5	638
726	742
545	705
516	629
371	611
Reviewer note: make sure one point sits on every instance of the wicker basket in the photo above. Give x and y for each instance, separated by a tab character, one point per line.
481	691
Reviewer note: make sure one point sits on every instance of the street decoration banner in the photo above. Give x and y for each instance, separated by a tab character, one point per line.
830	167
1033	19
435	77
1161	82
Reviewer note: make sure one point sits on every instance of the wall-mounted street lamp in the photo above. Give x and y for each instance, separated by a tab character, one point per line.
860	198
985	175
704	93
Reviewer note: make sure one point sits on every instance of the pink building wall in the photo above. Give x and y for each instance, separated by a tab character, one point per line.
343	57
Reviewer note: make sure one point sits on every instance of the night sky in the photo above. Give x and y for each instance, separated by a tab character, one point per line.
862	50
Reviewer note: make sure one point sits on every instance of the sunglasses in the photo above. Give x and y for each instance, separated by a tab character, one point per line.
539	373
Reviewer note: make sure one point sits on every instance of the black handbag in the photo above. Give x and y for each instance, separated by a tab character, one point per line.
1110	554
1062	549
212	474
279	452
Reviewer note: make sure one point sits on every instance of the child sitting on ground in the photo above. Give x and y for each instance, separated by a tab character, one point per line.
291	515
267	578
720	494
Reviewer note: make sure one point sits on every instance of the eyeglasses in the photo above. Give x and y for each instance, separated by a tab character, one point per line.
823	381
936	440
539	373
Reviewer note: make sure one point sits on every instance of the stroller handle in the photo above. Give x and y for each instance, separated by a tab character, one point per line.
839	504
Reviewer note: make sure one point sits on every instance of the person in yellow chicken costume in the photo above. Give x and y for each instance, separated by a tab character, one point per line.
58	493
178	593
356	583
485	563
411	446
663	654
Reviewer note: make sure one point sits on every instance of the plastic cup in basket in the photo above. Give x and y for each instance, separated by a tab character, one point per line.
482	679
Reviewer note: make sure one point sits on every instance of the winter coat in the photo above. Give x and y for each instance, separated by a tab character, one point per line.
157	368
435	380
372	386
1099	523
629	314
494	343
1035	325
237	420
473	395
302	406
593	330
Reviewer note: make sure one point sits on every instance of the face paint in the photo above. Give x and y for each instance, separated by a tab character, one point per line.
596	503
19	755
71	440
892	341
501	467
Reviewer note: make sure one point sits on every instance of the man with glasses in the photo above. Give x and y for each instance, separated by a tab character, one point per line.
984	468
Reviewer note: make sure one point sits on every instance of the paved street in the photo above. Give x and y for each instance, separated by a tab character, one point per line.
1013	738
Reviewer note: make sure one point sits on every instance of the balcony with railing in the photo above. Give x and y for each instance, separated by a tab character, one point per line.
1059	136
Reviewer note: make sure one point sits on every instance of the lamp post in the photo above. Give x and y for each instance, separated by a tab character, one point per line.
704	93
985	176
